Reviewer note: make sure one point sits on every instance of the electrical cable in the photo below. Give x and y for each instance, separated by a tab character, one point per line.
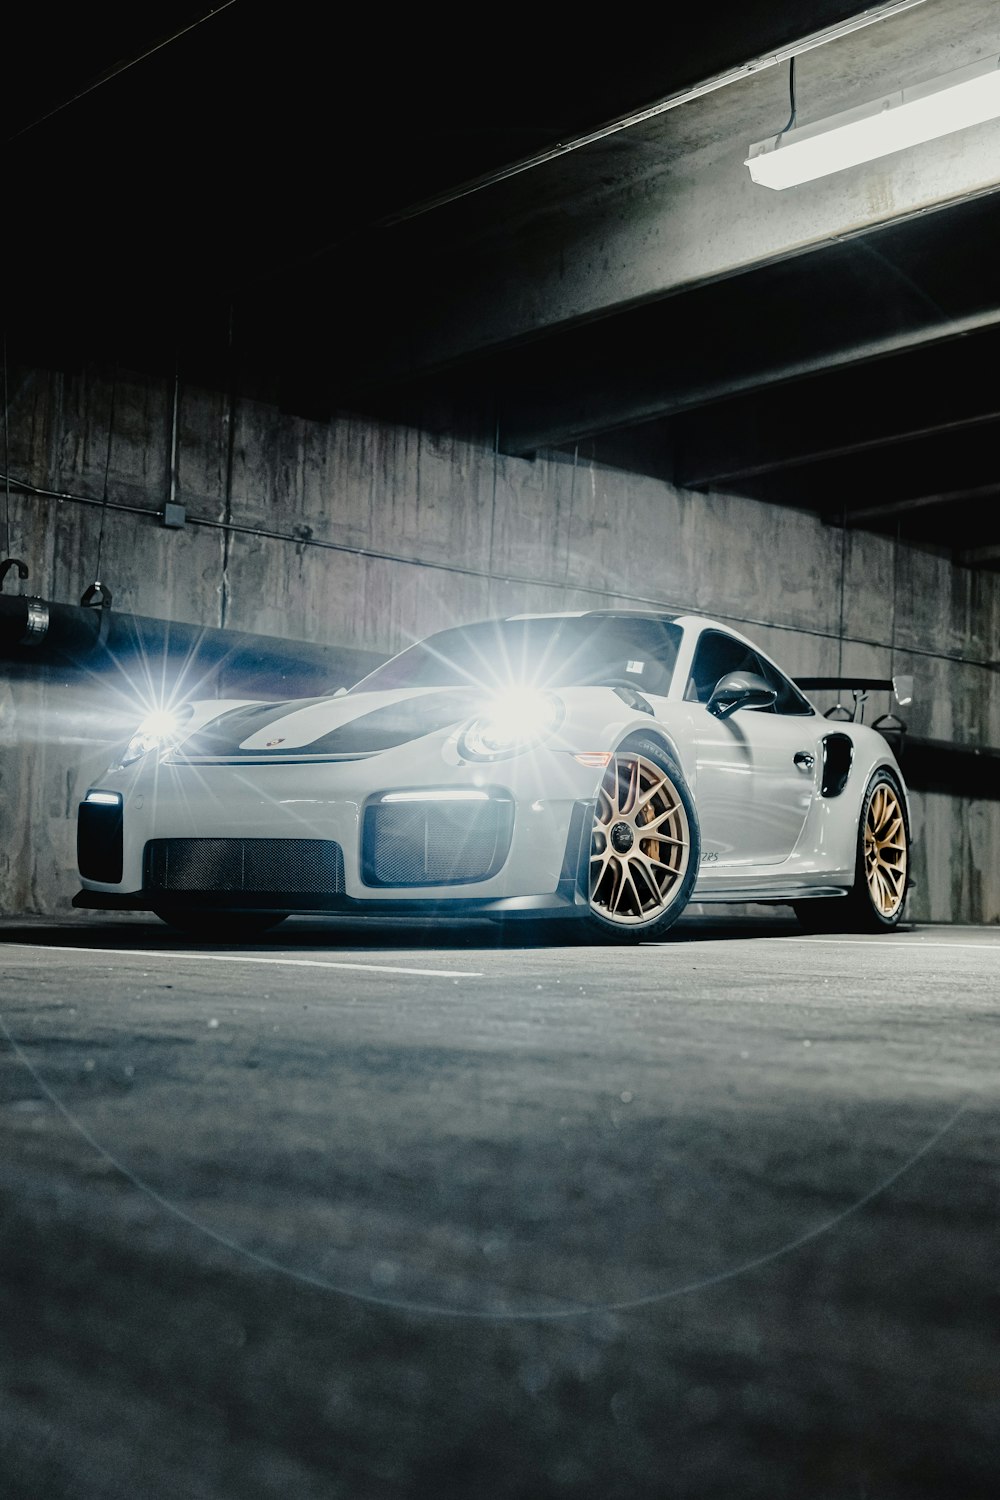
227	514
895	595
843	570
107	472
629	121
649	601
493	509
791	95
119	68
6	452
569	521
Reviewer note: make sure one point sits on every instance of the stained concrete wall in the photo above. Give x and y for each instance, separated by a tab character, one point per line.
364	535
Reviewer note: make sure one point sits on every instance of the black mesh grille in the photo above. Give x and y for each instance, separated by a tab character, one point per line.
300	866
436	843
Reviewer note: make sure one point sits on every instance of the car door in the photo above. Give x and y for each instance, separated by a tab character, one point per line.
755	771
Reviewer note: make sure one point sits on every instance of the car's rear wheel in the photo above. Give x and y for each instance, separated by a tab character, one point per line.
645	845
882	866
227	926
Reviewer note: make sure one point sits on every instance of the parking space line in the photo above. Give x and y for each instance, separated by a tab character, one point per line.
878	939
248	958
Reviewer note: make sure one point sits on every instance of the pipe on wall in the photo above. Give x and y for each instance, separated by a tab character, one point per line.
39	633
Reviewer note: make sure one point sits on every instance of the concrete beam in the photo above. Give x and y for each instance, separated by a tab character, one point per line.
539	412
919	468
980	557
863	515
933	390
700	221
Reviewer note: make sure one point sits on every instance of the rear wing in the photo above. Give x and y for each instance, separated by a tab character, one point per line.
901	688
956	770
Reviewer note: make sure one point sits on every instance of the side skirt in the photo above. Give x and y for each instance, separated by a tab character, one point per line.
765	891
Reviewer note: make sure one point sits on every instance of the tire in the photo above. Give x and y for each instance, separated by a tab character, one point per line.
227	926
640	881
881	871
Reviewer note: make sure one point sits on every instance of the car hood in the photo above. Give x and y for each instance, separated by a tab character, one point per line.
349	726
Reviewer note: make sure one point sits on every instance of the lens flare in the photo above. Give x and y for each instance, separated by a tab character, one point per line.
160	727
512	721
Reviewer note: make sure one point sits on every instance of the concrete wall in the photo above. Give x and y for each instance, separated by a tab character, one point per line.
364	535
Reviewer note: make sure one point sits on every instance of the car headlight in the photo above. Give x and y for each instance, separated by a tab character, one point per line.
511	722
162	727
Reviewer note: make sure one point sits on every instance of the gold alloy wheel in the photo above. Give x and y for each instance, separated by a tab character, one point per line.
641	842
885	850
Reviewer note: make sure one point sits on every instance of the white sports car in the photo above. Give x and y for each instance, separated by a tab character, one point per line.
609	766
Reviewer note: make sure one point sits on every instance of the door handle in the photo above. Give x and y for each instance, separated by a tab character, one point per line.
804	759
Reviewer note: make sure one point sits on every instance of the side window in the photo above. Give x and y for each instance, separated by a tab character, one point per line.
789	699
718	654
715	656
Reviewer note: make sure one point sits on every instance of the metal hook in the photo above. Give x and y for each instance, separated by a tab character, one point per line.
893	730
12	562
97	595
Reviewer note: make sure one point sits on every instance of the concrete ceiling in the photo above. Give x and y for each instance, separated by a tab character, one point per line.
376	213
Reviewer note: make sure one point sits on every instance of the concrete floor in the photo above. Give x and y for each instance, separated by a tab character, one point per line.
375	1213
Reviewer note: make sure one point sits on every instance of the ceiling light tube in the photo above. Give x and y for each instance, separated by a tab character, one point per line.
908	117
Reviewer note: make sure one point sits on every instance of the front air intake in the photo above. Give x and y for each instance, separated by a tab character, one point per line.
99	839
432	842
280	866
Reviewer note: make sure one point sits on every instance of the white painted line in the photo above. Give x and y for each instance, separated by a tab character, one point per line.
876	939
879	939
247	958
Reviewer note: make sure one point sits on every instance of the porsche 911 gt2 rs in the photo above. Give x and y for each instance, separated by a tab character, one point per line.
608	766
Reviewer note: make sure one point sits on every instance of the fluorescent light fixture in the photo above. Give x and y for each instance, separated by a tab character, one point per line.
968	96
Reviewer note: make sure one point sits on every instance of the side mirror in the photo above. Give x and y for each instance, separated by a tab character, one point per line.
740	690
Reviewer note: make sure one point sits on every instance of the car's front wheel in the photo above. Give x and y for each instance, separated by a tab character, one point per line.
882	867
645	845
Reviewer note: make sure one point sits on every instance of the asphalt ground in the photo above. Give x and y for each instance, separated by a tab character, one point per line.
379	1212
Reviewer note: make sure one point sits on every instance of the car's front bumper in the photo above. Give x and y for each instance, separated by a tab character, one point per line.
387	833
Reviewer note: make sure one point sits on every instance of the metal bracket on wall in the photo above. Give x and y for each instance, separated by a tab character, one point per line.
98	596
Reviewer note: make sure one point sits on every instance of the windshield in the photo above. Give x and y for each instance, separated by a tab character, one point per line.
573	651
